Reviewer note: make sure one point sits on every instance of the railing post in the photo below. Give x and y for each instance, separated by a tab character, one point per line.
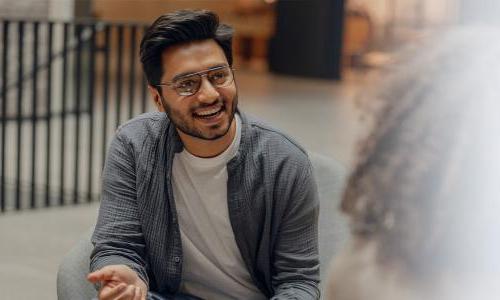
131	74
119	68
5	67
20	94
50	38
91	109
34	103
78	67
105	100
63	111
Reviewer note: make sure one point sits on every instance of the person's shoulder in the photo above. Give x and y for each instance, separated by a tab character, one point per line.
273	142
143	126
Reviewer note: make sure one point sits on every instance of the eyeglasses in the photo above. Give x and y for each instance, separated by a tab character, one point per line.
187	85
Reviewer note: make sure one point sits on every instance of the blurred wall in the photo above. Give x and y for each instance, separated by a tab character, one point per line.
480	11
409	11
56	9
148	10
257	24
388	15
253	20
24	8
62	9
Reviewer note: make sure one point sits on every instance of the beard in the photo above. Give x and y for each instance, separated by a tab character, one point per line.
186	122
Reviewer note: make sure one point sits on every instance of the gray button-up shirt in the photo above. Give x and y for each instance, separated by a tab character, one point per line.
272	201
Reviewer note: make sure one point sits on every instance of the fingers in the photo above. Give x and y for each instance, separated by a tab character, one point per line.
121	292
142	294
131	293
109	293
104	274
119	282
138	293
128	294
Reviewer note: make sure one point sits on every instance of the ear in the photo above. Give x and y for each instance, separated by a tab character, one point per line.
156	98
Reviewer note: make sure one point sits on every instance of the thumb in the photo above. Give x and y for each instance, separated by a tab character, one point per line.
103	274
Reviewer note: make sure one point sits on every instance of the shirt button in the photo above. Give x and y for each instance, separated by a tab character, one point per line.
177	259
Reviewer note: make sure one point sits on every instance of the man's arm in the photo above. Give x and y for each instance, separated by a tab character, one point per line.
118	238
296	259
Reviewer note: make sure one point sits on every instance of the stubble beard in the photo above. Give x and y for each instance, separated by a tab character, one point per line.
184	124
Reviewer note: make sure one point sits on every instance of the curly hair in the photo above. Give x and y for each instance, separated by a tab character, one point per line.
423	172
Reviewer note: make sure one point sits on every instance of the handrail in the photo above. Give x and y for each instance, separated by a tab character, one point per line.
43	66
86	36
77	121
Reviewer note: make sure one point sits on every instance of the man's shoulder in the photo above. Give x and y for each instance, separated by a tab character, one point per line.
143	126
273	143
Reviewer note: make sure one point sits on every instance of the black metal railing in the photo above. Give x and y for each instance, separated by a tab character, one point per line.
65	87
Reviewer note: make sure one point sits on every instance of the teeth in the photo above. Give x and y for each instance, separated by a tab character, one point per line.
208	112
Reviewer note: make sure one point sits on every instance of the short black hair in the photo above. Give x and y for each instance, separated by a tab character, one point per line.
182	26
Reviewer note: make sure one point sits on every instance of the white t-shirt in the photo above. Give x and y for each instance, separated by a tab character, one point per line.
213	267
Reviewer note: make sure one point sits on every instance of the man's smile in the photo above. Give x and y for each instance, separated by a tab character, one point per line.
210	113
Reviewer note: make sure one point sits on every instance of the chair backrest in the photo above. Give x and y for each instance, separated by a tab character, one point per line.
333	227
333	232
72	281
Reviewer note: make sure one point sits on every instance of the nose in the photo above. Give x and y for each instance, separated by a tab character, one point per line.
207	92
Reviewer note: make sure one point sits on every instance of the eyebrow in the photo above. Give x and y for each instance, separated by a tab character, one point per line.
187	74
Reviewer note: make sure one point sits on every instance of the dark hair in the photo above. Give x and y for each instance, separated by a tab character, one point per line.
423	181
179	27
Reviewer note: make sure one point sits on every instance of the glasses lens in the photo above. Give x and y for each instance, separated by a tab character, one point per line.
220	77
188	85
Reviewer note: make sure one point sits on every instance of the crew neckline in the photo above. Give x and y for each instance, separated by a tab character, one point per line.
222	158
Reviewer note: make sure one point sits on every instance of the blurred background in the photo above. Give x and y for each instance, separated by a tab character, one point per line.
70	75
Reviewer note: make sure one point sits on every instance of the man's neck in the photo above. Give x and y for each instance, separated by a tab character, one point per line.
208	148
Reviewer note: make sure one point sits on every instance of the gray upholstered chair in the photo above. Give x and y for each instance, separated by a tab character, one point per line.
333	232
333	228
72	281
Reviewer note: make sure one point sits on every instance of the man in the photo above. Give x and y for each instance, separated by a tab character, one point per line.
200	199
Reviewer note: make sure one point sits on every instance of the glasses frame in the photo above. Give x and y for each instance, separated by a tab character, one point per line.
202	74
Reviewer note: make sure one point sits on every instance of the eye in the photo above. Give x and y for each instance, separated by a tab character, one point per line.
187	84
218	77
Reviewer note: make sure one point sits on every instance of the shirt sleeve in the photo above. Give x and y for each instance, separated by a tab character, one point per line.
118	238
296	258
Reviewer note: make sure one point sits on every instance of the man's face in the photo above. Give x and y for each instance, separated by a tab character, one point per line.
208	113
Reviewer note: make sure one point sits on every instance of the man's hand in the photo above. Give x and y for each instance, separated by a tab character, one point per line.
119	282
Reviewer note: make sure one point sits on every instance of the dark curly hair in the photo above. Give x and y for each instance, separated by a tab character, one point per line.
179	27
423	181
